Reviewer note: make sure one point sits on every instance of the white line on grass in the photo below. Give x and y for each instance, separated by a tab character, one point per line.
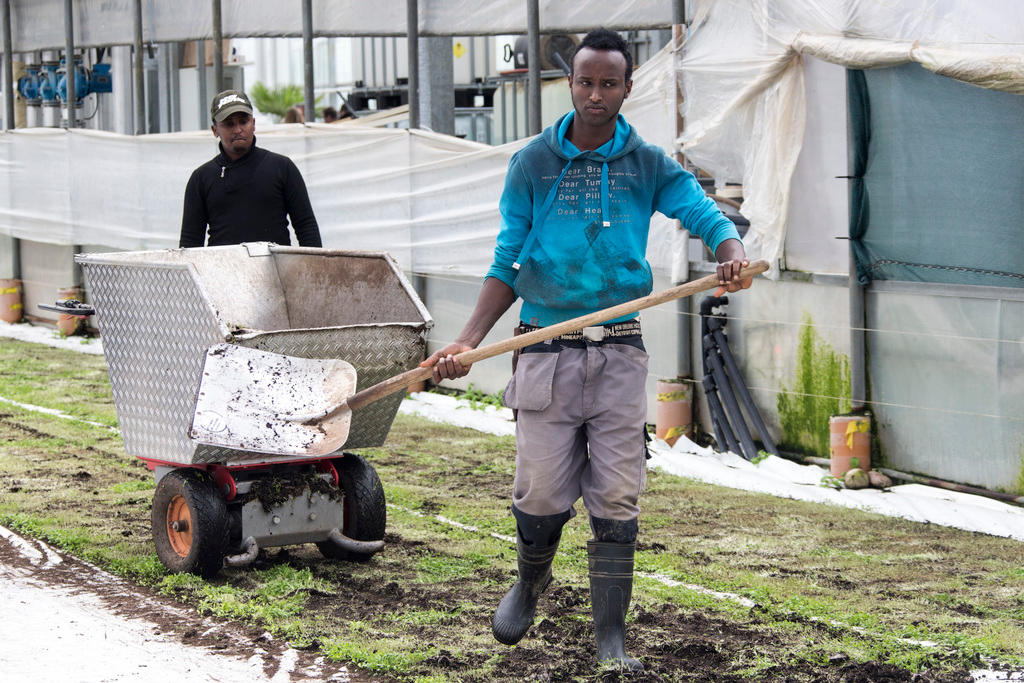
451	522
57	413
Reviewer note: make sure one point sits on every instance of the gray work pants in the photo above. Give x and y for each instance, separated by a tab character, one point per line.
581	415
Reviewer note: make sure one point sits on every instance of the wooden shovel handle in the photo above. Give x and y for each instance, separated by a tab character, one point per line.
399	382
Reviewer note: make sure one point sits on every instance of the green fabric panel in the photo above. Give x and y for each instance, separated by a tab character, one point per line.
943	187
859	121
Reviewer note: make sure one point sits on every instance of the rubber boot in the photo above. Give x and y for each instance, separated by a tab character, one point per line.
611	587
536	543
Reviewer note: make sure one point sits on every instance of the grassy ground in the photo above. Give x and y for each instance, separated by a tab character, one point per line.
836	594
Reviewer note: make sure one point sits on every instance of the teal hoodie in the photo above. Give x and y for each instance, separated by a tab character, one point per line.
574	226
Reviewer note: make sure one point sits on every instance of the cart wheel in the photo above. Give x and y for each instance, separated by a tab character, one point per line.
365	512
190	523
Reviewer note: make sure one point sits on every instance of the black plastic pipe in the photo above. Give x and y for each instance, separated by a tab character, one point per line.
723	432
740	388
732	408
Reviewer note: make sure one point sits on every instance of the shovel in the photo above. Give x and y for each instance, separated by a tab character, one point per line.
266	402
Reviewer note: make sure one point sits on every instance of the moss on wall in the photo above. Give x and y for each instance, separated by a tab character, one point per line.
820	389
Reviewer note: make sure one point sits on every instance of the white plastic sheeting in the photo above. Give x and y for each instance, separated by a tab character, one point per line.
742	78
467	17
39	24
773	475
429	199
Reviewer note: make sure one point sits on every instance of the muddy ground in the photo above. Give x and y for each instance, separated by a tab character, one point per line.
731	585
151	635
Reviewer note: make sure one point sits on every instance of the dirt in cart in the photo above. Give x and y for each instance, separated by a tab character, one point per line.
730	585
285	485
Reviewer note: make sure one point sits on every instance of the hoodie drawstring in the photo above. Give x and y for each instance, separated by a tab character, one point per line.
605	215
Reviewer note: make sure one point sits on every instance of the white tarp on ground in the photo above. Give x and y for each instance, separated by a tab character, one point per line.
743	83
39	24
429	199
772	475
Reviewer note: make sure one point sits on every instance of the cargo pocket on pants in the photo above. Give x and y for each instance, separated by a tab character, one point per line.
530	386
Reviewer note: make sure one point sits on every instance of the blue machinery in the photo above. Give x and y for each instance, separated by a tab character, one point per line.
45	88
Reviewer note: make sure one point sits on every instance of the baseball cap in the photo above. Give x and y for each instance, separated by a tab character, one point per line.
227	103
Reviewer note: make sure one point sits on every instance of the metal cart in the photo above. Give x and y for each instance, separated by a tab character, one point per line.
159	311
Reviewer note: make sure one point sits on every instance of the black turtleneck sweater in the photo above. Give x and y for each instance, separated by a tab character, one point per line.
248	200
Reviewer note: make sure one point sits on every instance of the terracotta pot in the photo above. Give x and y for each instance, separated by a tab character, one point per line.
10	300
70	324
674	414
849	438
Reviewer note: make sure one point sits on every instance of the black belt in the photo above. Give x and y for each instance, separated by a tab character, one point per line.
628	332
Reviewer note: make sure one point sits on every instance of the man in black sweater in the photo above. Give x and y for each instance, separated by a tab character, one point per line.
245	194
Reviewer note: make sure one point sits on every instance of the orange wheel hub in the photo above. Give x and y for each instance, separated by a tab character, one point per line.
179	526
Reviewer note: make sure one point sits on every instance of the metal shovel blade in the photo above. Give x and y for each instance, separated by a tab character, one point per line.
244	394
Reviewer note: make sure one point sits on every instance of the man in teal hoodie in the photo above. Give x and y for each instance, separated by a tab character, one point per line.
576	211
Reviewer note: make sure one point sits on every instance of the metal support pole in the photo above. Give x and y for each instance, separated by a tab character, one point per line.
8	69
858	371
437	87
69	49
204	98
394	57
533	62
218	48
138	83
174	90
678	11
684	344
526	108
362	60
307	53
373	63
9	117
163	84
69	75
515	109
412	27
502	83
